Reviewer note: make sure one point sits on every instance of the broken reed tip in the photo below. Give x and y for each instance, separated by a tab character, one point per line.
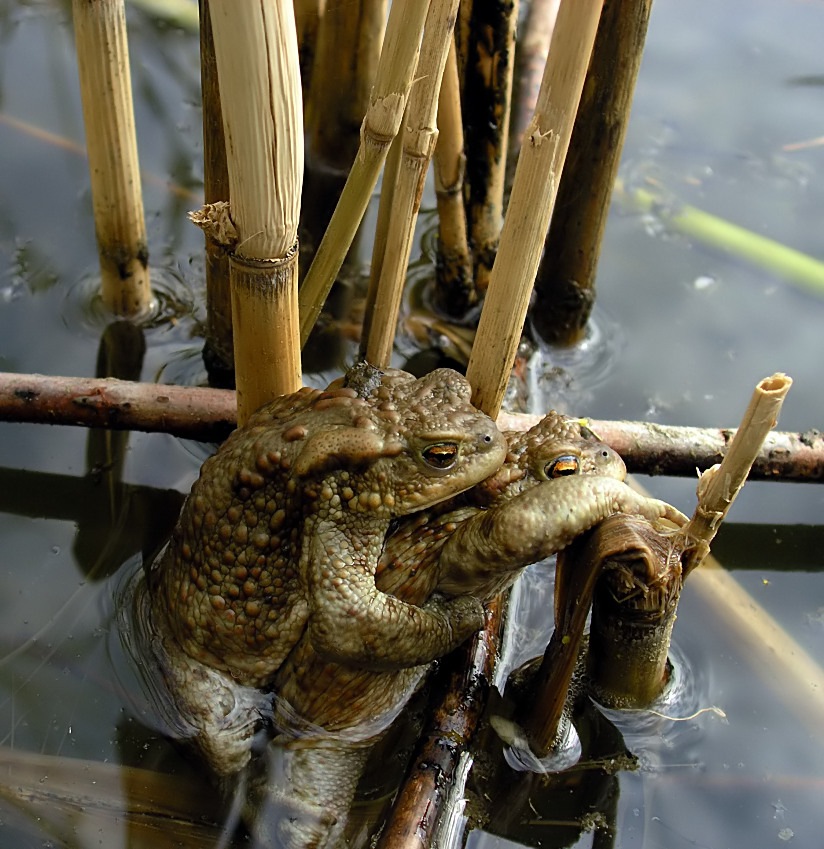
778	384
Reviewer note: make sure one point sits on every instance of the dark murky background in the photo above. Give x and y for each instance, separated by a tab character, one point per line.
726	92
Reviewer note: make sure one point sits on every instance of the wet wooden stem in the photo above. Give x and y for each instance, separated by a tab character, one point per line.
530	207
210	414
565	286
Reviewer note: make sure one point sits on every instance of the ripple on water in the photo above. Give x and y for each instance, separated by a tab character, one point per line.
681	710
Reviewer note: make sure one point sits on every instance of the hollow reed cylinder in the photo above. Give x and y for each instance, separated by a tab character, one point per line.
111	142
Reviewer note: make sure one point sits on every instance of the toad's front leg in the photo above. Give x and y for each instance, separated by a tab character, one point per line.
539	522
353	623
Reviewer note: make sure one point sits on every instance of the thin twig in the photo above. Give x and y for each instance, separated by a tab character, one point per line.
433	780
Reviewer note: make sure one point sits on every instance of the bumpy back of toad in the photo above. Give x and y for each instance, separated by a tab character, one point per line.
229	586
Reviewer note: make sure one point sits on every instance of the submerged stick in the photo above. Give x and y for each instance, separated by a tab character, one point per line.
542	713
419	136
257	61
719	485
396	69
211	414
111	141
434	779
530	207
565	286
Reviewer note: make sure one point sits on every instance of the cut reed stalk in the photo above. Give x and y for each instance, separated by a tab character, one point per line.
257	62
719	485
565	286
455	292
487	98
348	50
218	351
530	207
419	137
111	142
399	57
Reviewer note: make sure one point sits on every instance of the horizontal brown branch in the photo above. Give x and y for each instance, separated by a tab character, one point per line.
210	414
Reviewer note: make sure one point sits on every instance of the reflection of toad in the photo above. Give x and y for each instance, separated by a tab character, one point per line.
558	481
280	538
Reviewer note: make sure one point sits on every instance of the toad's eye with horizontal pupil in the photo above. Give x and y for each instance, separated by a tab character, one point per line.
441	455
566	464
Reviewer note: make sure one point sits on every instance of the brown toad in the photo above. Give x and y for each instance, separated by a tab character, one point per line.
280	537
558	481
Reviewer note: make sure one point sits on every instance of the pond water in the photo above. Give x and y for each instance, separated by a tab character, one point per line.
727	110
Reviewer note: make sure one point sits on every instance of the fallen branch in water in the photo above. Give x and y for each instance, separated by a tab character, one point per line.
210	415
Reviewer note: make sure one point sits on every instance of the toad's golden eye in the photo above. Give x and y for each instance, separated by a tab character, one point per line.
566	464
441	455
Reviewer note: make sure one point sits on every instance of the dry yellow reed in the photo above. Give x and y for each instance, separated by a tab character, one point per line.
106	93
399	57
719	485
419	137
257	62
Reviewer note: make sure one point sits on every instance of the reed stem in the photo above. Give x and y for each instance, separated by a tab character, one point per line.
487	97
565	286
455	292
111	142
785	262
633	611
396	68
719	485
257	62
530	207
347	55
419	137
218	351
